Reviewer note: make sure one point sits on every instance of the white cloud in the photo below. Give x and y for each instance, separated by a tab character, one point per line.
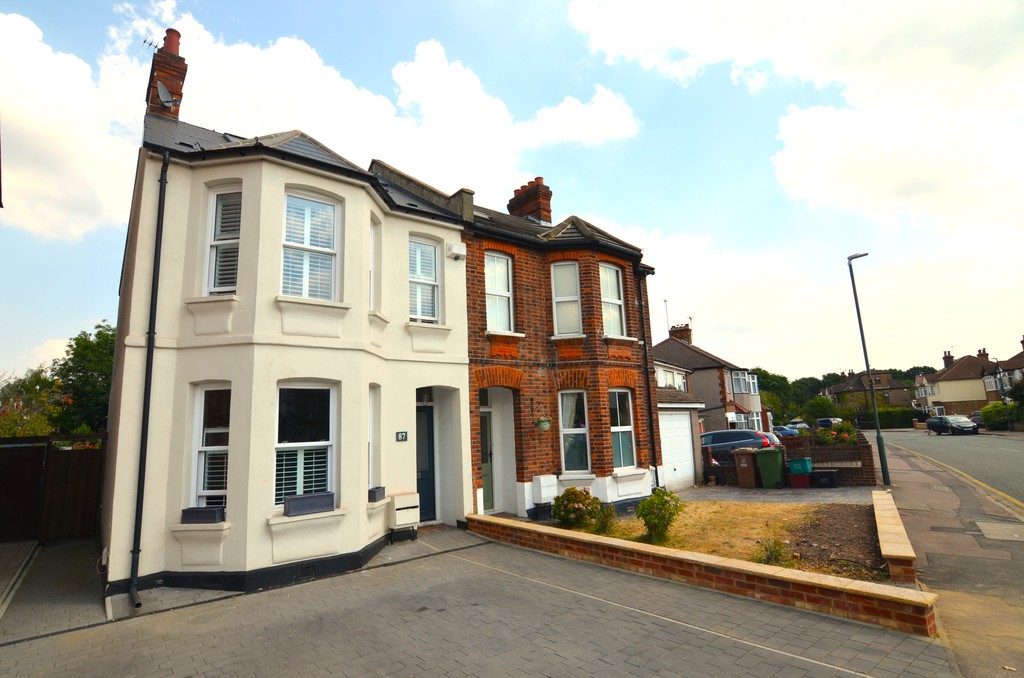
48	351
933	129
71	134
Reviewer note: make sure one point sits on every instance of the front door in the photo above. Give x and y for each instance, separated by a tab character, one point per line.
487	460
425	462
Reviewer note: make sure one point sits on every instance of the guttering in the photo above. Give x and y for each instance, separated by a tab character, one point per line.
147	391
642	273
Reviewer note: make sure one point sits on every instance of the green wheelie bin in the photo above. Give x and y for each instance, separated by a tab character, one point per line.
769	464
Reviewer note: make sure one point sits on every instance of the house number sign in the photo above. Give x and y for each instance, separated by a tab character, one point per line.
401	436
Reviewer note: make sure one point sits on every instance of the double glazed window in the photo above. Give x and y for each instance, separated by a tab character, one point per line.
424	288
498	282
612	312
573	426
310	237
621	416
212	452
565	290
304	442
227	227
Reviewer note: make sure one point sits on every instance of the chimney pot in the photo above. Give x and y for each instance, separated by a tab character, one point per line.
532	200
172	40
682	333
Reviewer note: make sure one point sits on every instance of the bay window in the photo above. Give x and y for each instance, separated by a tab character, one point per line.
305	425
310	254
565	291
621	416
225	231
214	419
424	288
573	426
612	309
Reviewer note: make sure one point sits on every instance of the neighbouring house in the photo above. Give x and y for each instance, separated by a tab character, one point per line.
730	393
679	423
291	384
1005	374
958	388
561	372
854	390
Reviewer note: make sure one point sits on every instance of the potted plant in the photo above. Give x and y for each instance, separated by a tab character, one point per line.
312	502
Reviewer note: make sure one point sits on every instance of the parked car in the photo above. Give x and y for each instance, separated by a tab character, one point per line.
826	422
797	424
953	424
783	431
722	443
976	417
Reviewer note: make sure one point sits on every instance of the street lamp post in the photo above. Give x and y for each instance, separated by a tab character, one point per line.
867	366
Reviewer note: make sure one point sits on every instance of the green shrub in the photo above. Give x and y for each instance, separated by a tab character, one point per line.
838	434
657	513
606	519
771	551
996	416
575	507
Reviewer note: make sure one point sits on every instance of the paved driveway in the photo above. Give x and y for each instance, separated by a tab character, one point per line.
453	604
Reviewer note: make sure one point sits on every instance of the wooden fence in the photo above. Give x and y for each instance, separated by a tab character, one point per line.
51	487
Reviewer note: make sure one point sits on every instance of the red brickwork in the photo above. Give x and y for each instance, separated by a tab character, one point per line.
589	363
910	611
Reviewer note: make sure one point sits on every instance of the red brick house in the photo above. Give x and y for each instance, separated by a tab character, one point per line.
559	331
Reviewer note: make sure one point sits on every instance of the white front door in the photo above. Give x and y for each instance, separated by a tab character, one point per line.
676	449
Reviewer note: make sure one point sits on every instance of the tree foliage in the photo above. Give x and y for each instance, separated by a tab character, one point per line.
910	376
819	407
84	374
28	404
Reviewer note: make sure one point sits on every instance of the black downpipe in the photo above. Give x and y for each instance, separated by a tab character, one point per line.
647	364
147	392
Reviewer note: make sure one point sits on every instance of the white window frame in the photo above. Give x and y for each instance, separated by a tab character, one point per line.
309	251
201	496
301	448
614	303
739	382
216	243
567	297
752	383
420	282
620	428
680	381
373	447
496	296
566	430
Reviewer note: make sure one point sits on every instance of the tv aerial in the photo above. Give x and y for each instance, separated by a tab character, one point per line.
166	99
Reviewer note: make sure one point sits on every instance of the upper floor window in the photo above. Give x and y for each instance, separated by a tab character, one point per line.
572	419
304	442
565	290
212	450
743	382
752	383
498	283
374	287
671	379
621	417
611	301
310	249
224	235
424	288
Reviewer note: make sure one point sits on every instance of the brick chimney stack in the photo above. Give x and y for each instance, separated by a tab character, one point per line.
947	359
983	354
168	68
682	332
532	200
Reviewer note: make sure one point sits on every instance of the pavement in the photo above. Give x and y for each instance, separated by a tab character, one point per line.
452	603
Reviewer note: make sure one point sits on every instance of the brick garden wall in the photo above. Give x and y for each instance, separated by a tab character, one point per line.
908	610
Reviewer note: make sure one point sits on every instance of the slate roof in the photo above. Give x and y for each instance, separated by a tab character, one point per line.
185	140
859	382
573	232
677	352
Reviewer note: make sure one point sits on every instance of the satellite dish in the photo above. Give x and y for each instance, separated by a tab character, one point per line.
165	95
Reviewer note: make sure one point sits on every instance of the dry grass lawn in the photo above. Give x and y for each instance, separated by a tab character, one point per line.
728	529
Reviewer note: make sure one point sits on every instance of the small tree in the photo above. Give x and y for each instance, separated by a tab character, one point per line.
28	404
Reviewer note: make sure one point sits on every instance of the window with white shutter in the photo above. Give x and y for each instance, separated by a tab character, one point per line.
424	288
212	451
227	228
310	236
304	442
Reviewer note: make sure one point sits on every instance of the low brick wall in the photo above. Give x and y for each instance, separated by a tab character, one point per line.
893	540
907	610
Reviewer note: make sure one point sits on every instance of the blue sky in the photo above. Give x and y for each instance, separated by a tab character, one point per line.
747	147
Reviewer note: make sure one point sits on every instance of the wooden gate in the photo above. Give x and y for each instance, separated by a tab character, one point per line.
51	487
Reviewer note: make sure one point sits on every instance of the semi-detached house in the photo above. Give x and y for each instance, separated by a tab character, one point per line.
290	393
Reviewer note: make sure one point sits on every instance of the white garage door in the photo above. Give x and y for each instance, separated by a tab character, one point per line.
676	449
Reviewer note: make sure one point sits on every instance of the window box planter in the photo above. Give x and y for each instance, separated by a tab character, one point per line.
202	515
314	502
375	494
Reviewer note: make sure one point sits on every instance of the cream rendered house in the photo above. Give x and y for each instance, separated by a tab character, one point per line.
291	370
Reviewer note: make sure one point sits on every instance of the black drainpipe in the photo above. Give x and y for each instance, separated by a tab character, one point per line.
642	274
147	391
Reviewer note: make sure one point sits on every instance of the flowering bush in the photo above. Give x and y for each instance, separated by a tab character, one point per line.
839	434
657	513
575	507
